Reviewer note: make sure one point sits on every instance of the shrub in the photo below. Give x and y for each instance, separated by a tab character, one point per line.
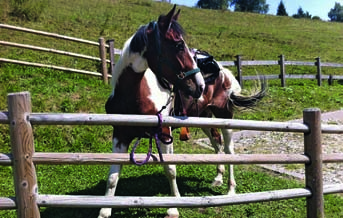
29	10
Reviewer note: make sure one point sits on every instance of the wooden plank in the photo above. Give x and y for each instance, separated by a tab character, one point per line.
88	201
333	188
50	67
6	159
332	129
299	63
109	158
259	77
22	146
42	33
7	203
333	158
227	63
4	117
282	70
314	170
102	54
152	120
259	63
331	65
50	50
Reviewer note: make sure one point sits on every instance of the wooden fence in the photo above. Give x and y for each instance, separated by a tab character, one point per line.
101	44
23	159
238	63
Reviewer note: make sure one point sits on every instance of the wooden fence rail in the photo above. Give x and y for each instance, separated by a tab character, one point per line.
239	63
23	159
109	46
103	47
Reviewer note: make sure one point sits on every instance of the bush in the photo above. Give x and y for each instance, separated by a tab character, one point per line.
29	10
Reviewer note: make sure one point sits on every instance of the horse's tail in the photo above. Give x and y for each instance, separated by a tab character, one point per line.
249	101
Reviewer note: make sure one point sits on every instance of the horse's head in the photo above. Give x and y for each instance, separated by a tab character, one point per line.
169	57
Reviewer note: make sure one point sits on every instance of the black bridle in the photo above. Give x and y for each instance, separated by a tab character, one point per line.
161	60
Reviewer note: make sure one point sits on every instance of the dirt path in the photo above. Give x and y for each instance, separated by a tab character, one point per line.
249	142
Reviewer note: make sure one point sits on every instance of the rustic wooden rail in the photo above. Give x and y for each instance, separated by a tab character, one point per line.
101	44
239	63
23	159
103	47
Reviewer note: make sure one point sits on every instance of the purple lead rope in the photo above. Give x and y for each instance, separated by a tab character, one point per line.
158	136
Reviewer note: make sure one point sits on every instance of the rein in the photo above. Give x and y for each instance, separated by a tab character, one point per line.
158	135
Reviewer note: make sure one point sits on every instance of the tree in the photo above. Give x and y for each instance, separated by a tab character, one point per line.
336	13
302	14
255	6
281	10
213	4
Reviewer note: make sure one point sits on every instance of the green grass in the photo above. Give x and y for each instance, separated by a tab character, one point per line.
224	34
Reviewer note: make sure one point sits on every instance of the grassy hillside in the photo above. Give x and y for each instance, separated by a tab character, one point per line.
222	33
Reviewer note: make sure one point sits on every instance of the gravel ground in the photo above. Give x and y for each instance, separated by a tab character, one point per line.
254	142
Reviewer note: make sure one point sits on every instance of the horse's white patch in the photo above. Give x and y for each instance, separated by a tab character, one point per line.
127	58
235	86
158	95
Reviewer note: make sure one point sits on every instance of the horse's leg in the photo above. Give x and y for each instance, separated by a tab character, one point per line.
113	177
218	148
170	171
229	149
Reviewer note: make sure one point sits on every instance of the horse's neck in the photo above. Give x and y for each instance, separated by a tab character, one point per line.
133	60
142	92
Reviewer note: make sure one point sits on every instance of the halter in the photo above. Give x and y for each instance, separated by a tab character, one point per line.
161	60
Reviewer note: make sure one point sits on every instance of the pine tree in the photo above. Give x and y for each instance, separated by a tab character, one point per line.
281	10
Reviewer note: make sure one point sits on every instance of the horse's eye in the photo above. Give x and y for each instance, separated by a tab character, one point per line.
180	46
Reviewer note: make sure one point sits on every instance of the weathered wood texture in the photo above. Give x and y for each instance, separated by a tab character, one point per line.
23	159
314	169
22	150
25	63
102	54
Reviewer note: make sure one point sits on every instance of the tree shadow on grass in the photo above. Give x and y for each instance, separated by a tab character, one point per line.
148	185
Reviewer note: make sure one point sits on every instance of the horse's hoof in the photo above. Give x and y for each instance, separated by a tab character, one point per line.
217	183
172	213
105	213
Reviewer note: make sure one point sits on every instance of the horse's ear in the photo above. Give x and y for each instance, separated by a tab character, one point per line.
176	16
165	21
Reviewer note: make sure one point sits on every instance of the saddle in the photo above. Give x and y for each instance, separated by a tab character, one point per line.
208	66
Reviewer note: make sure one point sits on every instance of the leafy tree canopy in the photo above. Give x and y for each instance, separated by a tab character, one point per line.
255	6
336	13
213	4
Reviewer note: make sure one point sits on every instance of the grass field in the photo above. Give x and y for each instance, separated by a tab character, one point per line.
222	33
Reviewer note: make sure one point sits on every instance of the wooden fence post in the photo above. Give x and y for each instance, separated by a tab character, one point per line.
25	180
319	71
282	70
102	52
313	170
110	42
330	80
238	64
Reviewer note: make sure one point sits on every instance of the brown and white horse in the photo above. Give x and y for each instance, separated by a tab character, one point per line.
158	46
222	95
